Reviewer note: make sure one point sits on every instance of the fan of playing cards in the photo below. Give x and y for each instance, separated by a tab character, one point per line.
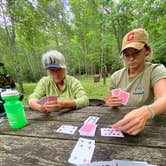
124	96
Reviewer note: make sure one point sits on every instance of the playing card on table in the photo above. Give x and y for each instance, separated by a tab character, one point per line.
128	163
88	130
91	120
67	129
82	152
111	132
117	163
99	163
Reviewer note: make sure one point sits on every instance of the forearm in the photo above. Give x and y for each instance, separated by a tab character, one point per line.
159	105
82	101
68	104
35	106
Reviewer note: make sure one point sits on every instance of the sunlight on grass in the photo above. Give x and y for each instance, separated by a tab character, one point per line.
94	89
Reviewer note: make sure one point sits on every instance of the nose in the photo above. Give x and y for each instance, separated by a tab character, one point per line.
131	57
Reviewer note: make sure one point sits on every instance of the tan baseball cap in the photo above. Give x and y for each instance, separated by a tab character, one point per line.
136	38
53	59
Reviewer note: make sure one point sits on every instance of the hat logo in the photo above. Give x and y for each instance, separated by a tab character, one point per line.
130	36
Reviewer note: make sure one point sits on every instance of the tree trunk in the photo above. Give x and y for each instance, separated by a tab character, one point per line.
12	43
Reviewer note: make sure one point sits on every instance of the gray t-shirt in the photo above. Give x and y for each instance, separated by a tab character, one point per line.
140	87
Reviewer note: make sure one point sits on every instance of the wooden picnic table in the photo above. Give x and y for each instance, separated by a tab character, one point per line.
39	144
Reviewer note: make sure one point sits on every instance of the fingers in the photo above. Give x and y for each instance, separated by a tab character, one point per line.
113	101
52	106
130	124
135	130
120	124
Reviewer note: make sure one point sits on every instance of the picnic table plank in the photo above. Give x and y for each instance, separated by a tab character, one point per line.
32	151
151	135
106	113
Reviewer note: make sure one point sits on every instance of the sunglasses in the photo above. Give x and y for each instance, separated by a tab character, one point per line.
133	53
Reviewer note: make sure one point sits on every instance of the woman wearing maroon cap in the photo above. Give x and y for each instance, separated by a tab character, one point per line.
142	82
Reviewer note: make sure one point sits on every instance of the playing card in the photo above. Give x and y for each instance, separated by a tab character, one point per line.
47	98
91	120
124	96
128	163
111	132
87	141
116	92
88	130
99	163
67	129
82	152
117	163
51	98
42	100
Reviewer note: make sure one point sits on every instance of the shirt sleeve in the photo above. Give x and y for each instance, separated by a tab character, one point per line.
38	92
115	79
159	72
81	97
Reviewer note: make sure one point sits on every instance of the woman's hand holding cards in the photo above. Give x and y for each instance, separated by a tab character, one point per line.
112	100
51	104
117	97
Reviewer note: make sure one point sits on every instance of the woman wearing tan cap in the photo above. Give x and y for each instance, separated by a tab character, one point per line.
143	81
57	91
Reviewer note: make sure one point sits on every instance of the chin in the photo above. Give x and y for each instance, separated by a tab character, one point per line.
132	66
57	81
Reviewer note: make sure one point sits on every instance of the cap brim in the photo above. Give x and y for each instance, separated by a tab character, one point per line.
55	66
136	45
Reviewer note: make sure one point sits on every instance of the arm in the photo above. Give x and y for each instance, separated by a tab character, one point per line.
134	122
79	94
37	94
36	106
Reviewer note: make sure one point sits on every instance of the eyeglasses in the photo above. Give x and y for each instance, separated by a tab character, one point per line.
135	53
54	70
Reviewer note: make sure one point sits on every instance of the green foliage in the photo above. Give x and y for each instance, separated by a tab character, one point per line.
89	34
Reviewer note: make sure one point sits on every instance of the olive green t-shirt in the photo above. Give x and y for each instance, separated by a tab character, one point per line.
140	87
72	90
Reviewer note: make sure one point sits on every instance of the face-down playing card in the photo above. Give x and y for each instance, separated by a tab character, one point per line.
88	129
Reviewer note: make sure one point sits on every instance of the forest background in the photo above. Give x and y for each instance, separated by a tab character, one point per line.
88	32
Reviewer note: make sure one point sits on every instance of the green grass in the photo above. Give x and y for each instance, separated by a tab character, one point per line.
94	89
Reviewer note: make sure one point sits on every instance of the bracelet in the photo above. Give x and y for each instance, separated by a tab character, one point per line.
151	111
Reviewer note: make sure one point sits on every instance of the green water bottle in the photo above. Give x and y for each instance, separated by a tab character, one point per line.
14	109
